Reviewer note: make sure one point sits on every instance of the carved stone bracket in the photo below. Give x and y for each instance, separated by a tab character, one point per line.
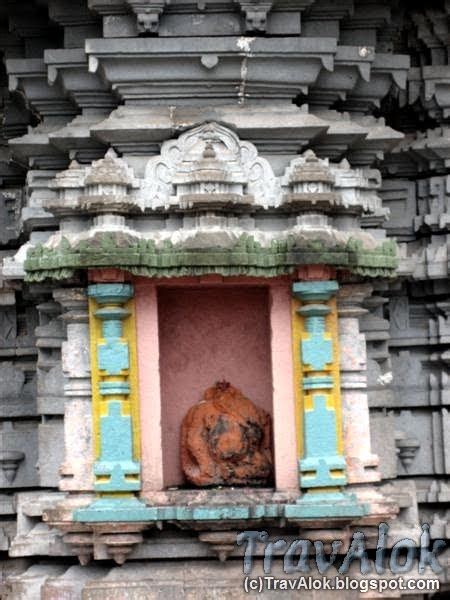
222	543
255	14
147	14
103	540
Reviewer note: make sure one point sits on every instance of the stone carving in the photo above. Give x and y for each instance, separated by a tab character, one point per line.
8	326
12	380
9	463
240	166
147	14
407	448
226	440
255	14
9	211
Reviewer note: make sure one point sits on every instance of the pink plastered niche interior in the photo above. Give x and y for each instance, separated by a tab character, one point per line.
190	334
206	335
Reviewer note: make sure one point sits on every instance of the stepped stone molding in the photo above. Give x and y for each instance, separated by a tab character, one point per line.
216	70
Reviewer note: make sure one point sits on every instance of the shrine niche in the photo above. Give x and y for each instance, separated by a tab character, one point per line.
206	334
226	439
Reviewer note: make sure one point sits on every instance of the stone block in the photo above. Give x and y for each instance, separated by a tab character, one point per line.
51	391
51	451
423	442
18	454
7	533
7	504
17	397
28	585
75	351
33	537
382	433
69	585
399	195
409	322
10	204
410	378
8	327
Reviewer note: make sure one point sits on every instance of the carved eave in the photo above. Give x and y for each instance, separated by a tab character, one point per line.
29	76
380	139
108	7
427	152
213	68
69	69
73	13
341	134
137	130
373	14
75	140
437	88
387	70
350	64
433	31
329	10
33	149
363	140
329	133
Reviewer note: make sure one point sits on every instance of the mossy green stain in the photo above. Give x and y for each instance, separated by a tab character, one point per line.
246	257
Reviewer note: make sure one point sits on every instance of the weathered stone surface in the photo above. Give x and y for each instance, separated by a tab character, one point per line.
28	586
226	440
34	537
382	431
70	585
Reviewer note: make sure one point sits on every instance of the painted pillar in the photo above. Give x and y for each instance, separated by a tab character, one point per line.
116	443
316	359
116	432
361	463
76	470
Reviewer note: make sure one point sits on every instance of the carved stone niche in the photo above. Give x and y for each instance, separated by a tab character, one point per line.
226	440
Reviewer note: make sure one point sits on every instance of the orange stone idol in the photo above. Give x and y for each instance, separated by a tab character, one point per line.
226	440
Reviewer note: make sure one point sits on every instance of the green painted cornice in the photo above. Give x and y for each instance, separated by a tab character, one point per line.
246	257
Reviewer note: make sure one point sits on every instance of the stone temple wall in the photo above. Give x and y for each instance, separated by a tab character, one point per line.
104	104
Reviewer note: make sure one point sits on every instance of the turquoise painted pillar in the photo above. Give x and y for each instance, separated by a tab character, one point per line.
114	394
115	469
322	464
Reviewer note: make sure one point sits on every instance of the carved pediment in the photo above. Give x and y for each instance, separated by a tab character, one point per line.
209	159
